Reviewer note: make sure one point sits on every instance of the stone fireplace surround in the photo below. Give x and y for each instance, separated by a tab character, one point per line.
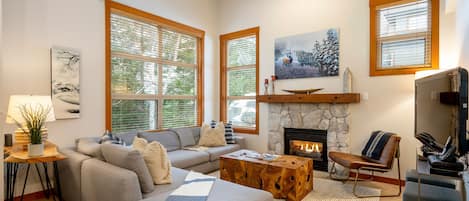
322	116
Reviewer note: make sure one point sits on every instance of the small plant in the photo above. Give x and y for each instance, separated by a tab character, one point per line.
34	118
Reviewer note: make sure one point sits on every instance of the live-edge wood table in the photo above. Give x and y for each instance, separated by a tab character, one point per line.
287	177
17	156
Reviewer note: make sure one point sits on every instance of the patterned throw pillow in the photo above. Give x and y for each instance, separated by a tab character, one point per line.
229	133
109	138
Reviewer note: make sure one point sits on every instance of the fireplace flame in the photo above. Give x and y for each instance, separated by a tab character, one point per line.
310	148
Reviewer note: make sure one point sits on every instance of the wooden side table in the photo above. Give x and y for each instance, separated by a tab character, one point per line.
287	177
18	156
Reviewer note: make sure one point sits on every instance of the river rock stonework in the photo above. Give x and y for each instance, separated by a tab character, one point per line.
330	117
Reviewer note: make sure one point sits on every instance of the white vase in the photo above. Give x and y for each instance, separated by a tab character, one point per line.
35	150
347	81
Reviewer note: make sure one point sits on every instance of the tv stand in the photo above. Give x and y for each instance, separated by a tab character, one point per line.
422	184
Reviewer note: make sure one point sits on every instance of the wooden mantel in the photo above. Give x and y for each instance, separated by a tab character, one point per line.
311	98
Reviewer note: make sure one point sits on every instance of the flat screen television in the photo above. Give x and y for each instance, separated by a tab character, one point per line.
441	107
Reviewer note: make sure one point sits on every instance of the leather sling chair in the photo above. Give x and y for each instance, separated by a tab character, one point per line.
359	163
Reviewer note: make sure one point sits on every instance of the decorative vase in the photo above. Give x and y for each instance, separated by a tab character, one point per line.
347	82
35	150
266	87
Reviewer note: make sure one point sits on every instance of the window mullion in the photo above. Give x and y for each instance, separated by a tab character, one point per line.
159	95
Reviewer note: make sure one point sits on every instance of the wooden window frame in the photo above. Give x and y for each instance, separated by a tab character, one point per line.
374	53
223	76
112	7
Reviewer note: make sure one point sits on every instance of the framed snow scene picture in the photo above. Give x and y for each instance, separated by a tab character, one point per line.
65	75
307	55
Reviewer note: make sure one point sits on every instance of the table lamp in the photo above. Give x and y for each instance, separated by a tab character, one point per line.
33	104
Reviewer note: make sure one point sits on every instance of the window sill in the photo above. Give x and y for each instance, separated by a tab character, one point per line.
251	131
399	71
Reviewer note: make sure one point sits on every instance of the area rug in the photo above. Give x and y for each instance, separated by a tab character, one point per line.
330	190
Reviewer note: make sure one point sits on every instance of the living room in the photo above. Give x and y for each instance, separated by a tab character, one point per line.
30	29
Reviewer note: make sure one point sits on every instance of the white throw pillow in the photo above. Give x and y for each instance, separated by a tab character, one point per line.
212	137
156	159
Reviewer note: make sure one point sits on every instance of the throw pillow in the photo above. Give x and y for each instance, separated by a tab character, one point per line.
156	159
109	138
131	160
212	137
229	133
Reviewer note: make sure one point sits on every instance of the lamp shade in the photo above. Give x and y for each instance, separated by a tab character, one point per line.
16	101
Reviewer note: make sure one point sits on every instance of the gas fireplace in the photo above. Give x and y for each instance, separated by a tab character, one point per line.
307	143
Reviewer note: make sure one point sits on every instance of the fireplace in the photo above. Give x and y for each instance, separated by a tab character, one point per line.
307	143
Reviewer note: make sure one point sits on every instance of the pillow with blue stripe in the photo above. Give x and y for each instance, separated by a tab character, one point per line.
229	133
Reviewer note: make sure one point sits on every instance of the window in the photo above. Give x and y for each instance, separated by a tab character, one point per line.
239	79
403	36
154	71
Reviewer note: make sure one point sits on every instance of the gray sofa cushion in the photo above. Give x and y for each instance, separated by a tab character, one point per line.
90	146
216	152
168	139
221	190
185	136
127	137
131	160
185	158
196	133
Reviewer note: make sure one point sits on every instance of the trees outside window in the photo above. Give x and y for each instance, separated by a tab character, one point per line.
239	79
154	78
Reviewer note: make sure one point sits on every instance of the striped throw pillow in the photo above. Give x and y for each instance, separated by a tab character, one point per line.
229	133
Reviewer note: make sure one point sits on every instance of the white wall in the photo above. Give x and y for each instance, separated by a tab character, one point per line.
30	28
462	29
391	98
1	92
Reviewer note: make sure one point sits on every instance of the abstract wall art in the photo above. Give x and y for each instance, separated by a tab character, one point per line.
65	74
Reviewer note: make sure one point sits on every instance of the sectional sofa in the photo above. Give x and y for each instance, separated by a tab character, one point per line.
86	176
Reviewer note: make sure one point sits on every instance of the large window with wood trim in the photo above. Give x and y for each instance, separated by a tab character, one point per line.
154	71
404	36
239	79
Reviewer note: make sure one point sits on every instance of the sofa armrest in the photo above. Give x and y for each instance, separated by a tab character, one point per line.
241	141
105	182
70	173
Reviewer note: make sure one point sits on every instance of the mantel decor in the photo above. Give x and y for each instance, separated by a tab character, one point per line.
302	91
311	98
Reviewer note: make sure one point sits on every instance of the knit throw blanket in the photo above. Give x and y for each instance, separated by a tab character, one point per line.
375	145
196	187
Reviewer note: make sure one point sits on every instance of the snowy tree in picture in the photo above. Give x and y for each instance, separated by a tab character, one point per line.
307	55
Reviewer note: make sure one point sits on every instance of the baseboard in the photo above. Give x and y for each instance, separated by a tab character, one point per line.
378	179
32	196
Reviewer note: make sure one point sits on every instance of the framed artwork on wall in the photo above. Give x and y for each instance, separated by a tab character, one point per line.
65	83
313	54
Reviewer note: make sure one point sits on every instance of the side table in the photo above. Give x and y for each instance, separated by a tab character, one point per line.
18	156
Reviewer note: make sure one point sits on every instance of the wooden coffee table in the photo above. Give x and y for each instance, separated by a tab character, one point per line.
287	177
